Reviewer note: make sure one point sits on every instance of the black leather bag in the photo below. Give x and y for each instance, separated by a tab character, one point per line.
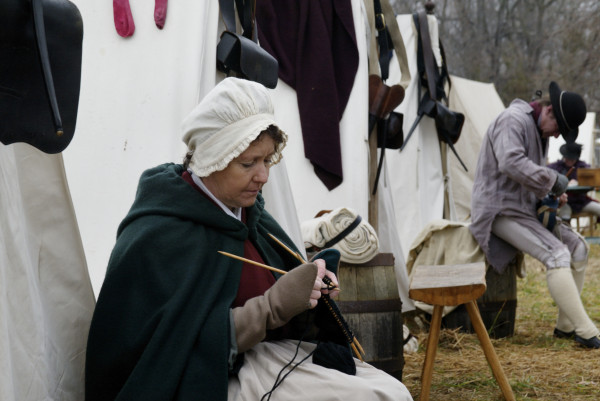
448	123
40	72
389	133
242	56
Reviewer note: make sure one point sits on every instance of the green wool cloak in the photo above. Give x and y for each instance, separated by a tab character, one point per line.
161	328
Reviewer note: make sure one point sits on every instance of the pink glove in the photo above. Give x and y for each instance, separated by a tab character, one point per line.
160	13
123	18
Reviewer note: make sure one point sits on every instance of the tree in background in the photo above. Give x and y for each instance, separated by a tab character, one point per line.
521	45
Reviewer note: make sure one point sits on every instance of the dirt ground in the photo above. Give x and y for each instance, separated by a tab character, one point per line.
537	365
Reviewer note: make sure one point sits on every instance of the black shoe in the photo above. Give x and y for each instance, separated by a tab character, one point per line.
593	342
563	334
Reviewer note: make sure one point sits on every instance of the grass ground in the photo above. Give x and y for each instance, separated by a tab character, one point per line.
537	365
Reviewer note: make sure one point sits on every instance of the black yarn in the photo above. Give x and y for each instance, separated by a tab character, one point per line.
335	356
277	380
332	325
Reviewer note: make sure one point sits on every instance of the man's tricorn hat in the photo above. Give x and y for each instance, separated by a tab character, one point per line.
571	150
569	110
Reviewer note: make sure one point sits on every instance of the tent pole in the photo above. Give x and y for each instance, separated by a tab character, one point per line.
373	198
444	156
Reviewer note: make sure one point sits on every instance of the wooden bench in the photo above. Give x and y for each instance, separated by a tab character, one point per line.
451	285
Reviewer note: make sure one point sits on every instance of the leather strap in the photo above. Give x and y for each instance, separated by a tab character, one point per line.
430	68
40	34
344	232
228	14
399	48
246	10
382	40
397	41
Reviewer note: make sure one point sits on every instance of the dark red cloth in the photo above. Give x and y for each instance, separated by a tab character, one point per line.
537	110
254	280
160	13
123	19
314	42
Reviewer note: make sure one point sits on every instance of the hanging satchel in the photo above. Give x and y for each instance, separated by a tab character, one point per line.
239	55
40	72
390	135
448	123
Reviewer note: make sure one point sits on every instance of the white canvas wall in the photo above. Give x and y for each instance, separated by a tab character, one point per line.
415	174
134	93
480	103
46	299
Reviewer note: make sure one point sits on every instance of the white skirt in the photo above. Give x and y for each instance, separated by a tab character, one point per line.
308	381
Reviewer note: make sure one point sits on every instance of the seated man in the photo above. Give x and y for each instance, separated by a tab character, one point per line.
510	179
577	201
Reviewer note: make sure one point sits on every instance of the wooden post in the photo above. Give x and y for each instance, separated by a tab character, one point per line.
373	199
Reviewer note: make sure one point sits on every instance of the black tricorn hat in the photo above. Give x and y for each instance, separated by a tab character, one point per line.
571	151
569	110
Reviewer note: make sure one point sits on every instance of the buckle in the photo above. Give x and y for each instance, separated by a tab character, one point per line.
380	22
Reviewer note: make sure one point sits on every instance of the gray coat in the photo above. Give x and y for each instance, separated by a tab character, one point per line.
509	180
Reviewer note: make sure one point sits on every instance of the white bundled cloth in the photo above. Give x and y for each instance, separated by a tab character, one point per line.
358	246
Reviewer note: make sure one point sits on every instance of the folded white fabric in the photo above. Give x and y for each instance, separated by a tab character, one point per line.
358	246
411	343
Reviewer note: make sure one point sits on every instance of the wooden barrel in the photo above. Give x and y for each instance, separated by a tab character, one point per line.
498	305
371	305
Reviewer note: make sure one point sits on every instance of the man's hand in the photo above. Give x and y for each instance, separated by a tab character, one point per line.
560	186
563	199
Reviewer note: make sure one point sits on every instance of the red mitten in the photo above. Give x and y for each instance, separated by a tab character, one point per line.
160	13
123	18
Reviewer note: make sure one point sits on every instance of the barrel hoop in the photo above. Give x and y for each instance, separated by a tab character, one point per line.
381	259
374	306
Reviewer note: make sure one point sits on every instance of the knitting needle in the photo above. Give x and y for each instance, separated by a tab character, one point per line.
284	246
356	352
253	262
231	255
330	285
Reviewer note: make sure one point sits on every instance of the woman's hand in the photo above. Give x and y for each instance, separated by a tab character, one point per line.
320	286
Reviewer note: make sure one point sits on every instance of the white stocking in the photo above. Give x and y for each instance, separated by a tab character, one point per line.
571	313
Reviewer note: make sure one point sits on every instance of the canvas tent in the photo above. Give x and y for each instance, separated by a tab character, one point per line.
130	91
46	298
480	103
419	184
134	93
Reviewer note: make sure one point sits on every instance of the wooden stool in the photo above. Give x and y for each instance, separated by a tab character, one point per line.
590	228
448	285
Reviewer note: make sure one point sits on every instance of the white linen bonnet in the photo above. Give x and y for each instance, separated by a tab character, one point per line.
225	122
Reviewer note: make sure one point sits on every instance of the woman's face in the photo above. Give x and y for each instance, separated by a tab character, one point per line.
238	184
